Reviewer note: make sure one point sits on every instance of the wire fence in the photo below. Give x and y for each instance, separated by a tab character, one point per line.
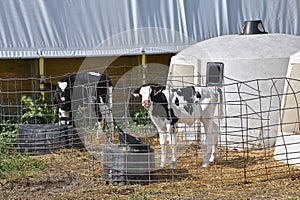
258	137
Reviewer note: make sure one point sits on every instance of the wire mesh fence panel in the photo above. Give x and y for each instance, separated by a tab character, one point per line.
29	121
257	136
248	135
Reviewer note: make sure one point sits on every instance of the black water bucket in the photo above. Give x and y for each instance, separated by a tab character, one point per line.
36	139
123	165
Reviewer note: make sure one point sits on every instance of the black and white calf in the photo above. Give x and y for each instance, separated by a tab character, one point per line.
73	89
185	105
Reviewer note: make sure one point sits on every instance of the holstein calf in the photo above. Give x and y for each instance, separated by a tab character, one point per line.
73	89
183	105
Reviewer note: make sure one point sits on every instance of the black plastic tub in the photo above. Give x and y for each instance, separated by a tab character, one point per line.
36	139
128	165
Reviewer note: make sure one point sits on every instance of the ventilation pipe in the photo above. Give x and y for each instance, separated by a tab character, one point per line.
253	27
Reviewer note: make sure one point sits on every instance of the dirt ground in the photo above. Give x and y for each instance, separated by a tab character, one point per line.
72	174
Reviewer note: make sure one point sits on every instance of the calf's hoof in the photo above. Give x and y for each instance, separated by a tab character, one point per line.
173	165
162	165
204	165
211	159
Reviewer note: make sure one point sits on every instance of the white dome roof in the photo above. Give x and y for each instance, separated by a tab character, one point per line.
244	47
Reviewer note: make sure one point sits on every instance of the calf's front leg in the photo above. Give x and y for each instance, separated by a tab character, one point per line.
162	141
211	130
107	113
64	117
173	141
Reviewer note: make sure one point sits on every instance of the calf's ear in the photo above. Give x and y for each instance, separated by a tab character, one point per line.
135	94
157	90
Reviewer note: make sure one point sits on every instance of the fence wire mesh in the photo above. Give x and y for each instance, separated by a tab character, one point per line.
256	140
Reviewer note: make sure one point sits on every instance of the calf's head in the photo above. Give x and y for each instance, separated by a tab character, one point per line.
61	90
147	92
62	93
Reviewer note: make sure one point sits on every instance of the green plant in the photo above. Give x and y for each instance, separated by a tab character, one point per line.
140	124
34	108
14	165
9	135
141	117
139	197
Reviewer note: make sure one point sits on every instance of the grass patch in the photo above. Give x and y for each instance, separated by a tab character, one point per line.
14	165
138	197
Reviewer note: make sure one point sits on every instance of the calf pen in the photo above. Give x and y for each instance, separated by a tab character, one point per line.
249	132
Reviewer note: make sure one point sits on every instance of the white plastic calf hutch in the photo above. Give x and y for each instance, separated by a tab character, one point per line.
252	64
287	148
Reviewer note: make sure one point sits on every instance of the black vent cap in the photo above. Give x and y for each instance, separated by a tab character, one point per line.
253	27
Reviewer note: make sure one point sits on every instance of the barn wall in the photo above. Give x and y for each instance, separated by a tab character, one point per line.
21	68
17	68
55	67
117	65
